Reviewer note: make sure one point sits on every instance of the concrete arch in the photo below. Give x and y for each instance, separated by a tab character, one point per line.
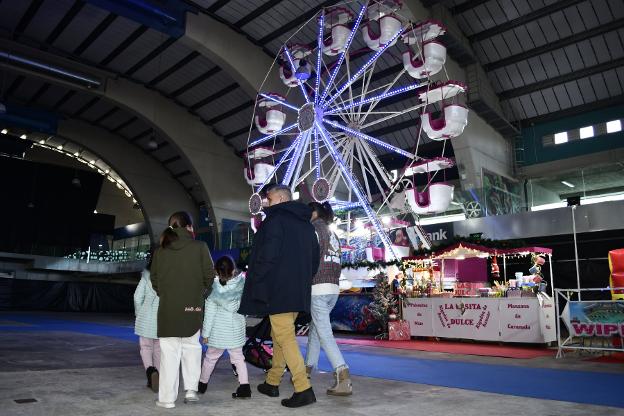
152	185
243	61
219	171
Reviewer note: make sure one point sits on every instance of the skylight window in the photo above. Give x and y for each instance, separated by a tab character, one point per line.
614	126
561	137
586	132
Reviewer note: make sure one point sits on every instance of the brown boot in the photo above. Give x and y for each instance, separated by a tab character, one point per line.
343	386
309	371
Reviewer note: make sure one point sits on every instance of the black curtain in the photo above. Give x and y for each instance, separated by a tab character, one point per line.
42	208
65	296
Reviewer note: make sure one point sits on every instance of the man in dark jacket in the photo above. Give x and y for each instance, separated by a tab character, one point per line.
283	260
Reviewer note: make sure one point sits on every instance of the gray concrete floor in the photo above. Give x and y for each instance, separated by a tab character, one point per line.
77	374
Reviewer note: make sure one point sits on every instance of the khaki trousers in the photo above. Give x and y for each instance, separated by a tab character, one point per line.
286	352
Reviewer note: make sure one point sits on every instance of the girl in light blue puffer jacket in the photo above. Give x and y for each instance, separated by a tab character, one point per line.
224	328
146	311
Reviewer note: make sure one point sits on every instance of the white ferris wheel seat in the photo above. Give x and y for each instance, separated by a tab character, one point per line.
272	121
451	124
431	62
423	32
387	27
434	200
288	76
432	165
337	41
259	174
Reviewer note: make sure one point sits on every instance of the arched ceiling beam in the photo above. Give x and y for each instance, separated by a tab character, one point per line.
158	193
212	162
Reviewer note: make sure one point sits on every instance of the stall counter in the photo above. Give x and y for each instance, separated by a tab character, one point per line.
530	320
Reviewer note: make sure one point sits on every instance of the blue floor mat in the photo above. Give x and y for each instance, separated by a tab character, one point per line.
541	383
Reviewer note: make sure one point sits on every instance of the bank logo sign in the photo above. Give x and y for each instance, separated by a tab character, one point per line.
439	233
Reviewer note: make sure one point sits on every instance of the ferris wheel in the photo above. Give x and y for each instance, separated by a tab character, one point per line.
369	66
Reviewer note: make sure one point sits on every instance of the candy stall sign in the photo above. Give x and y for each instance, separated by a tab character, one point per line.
465	318
594	318
417	312
525	320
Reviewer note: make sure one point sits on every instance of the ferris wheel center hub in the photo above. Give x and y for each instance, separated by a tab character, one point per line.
307	115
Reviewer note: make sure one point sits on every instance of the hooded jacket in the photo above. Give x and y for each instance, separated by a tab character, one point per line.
224	328
283	259
180	274
145	308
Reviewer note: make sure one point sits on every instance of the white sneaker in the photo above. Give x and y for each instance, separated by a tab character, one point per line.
191	396
165	405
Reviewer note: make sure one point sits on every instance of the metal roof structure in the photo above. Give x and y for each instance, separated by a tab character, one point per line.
544	58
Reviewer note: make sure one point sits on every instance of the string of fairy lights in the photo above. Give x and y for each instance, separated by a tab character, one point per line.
81	156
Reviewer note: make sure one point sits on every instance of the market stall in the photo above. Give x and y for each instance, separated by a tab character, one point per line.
514	310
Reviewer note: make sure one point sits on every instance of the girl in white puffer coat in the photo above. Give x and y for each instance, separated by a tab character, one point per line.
146	311
224	328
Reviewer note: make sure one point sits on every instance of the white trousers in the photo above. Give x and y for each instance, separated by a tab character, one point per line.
174	351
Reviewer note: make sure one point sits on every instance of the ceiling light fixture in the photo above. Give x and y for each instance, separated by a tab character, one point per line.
23	137
568	184
152	144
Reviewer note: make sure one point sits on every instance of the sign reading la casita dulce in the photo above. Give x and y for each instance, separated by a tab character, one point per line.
594	318
466	318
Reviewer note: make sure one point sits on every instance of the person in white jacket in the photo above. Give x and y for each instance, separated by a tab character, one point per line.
223	328
146	312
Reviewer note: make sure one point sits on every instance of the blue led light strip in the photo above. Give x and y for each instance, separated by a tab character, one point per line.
295	159
264	139
49	68
347	207
284	103
317	154
319	57
361	70
376	97
369	138
342	55
355	186
282	160
294	70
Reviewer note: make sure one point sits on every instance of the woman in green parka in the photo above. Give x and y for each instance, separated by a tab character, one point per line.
182	272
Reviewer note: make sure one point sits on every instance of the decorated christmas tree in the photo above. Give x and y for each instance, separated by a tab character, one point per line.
384	303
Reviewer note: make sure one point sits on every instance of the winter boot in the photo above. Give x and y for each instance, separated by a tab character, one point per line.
300	399
343	386
242	392
268	389
152	378
202	387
